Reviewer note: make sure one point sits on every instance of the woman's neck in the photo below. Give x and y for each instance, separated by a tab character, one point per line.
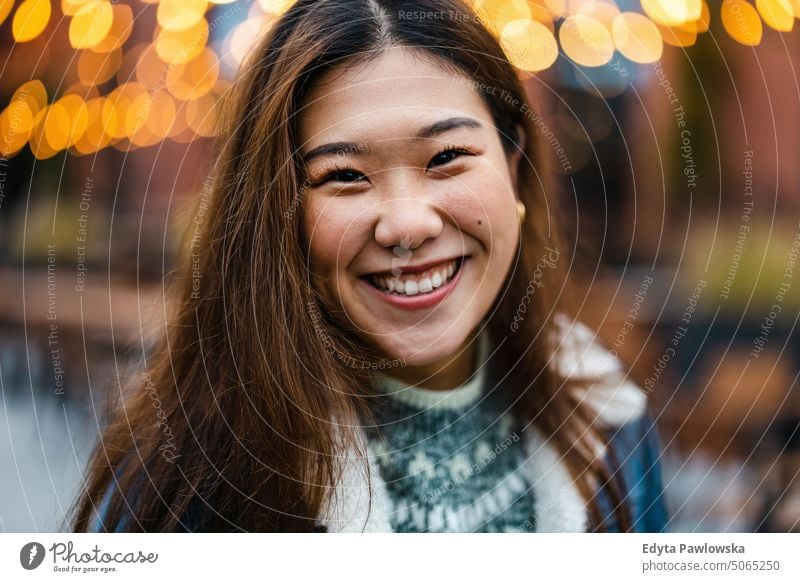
446	374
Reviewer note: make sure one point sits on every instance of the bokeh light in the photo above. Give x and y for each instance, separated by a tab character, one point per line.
529	44
586	40
184	63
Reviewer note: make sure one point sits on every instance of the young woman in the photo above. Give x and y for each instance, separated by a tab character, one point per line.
379	340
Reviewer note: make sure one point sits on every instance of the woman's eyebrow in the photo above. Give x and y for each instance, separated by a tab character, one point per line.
447	125
427	132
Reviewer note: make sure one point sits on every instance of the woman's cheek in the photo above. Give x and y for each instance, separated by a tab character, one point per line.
333	229
482	208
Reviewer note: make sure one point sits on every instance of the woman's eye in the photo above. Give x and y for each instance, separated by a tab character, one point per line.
446	157
341	176
345	176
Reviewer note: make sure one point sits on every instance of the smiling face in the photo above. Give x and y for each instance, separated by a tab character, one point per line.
410	211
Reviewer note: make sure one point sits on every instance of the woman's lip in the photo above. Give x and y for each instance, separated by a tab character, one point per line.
424	301
412	269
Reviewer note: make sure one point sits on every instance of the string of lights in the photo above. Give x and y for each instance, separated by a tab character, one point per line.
126	94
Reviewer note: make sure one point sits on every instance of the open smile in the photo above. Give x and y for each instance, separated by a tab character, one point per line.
419	288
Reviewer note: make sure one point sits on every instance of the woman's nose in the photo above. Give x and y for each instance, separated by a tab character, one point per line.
407	220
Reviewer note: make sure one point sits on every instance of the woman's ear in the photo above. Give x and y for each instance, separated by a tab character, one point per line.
522	138
515	156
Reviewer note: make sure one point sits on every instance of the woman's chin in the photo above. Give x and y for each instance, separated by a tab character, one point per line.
421	351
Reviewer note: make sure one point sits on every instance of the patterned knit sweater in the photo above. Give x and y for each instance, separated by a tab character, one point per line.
451	458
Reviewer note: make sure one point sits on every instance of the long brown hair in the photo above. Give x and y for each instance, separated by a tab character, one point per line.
248	377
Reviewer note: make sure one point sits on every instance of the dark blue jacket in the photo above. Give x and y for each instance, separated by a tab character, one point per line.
637	451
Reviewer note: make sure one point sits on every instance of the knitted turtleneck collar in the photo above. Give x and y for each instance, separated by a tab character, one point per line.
424	398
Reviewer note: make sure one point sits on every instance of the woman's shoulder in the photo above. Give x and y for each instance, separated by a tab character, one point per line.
607	388
633	443
191	521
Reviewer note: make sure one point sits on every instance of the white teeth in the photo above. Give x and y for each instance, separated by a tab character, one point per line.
408	285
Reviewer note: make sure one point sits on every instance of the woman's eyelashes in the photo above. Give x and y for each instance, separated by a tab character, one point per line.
337	174
351	175
446	156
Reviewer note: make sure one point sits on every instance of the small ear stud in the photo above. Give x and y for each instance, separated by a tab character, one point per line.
521	211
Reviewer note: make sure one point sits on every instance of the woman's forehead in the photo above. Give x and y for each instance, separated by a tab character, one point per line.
392	95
